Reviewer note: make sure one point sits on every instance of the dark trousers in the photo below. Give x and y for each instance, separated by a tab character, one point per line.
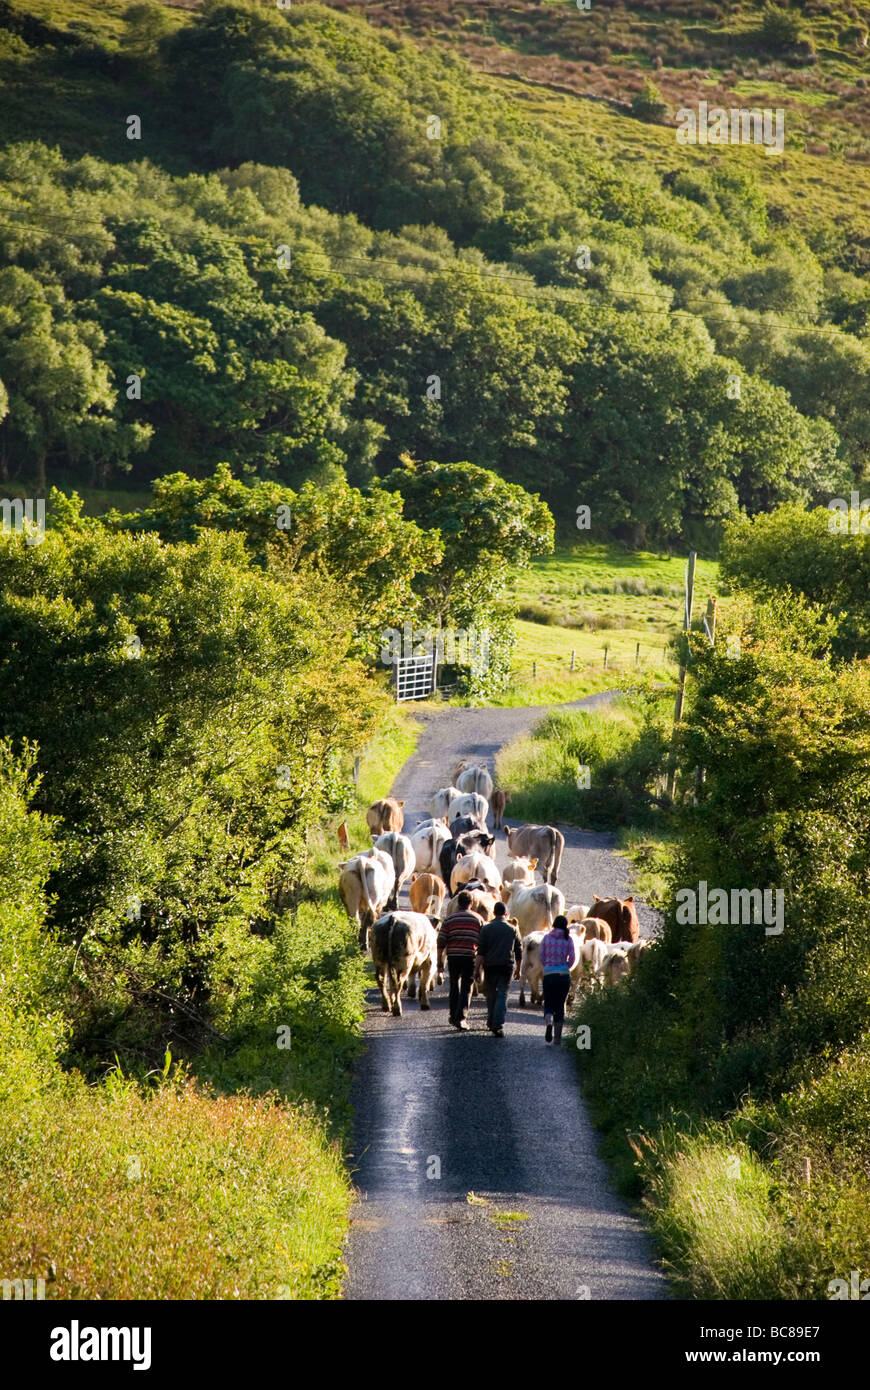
461	969
496	984
556	987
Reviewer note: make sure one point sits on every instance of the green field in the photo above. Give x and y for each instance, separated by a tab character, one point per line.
593	596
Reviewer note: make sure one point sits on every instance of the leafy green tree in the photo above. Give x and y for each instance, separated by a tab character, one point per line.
362	545
807	553
780	26
781	731
648	104
210	705
59	391
488	528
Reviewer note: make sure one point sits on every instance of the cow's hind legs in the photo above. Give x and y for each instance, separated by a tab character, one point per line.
385	1003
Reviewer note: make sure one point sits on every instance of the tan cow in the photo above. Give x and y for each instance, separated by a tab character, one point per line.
497	803
427	893
531	970
385	815
519	871
364	886
482	903
475	865
404	943
535	907
596	928
544	842
476	779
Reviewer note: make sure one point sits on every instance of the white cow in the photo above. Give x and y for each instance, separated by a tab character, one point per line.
596	954
440	802
596	926
469	804
475	779
535	908
364	886
401	852
576	912
531	970
426	842
475	865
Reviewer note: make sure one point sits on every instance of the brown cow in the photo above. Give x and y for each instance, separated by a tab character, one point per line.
620	916
427	894
385	815
497	803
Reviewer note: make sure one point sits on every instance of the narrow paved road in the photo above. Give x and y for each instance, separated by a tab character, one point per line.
475	1160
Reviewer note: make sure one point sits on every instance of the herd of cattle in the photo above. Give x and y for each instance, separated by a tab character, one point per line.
453	852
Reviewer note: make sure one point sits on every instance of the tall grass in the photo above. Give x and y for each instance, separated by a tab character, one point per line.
621	746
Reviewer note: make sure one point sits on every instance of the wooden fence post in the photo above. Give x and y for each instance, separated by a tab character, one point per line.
681	687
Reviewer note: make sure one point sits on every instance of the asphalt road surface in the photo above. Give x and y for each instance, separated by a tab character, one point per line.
475	1161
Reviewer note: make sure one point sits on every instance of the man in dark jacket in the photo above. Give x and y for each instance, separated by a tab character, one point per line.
458	937
499	953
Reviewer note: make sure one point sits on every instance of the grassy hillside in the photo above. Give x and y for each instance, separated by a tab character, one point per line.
817	71
547	55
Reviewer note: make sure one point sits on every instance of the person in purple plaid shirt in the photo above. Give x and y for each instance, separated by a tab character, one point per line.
558	954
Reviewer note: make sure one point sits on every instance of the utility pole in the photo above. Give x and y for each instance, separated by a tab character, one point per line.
681	687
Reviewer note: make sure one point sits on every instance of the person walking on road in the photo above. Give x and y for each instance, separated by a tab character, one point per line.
458	938
499	953
558	956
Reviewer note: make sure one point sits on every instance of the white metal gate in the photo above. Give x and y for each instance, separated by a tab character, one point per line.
415	677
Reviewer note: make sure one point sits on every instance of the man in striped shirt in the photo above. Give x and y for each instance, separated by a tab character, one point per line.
458	939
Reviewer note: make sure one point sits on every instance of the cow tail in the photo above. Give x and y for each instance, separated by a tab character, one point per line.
365	888
551	914
558	846
391	973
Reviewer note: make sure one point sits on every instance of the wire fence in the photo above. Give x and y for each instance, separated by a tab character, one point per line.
622	656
